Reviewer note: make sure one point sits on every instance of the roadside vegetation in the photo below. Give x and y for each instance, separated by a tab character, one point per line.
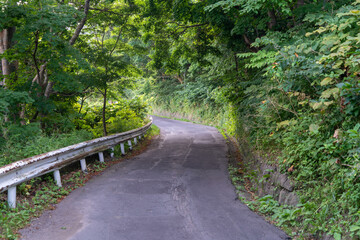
67	73
282	75
42	193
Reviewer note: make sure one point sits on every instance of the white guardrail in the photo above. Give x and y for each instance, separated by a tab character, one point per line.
21	171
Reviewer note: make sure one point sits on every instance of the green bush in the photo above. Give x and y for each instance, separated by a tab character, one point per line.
121	115
295	94
17	148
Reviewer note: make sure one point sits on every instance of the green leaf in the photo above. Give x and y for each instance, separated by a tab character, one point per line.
354	228
326	81
314	128
316	105
321	105
283	123
330	92
337	236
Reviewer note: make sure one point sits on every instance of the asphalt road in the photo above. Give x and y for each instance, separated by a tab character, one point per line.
178	189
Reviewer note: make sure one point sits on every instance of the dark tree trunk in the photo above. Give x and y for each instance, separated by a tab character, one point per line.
82	103
179	79
249	43
5	44
73	39
81	24
236	65
41	77
300	3
272	22
104	113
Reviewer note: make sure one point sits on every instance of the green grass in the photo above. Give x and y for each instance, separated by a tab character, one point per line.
153	131
14	150
42	193
30	206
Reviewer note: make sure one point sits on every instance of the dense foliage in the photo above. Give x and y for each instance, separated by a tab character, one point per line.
67	72
282	74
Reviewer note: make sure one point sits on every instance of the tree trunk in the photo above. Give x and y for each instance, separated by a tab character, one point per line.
236	65
41	77
73	39
104	113
5	44
179	79
5	70
82	103
49	86
22	114
249	43
272	17
300	3
81	24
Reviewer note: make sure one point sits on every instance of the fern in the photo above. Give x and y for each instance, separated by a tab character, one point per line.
260	59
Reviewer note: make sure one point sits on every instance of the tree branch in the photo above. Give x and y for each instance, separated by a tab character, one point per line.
249	43
34	55
81	24
192	26
117	41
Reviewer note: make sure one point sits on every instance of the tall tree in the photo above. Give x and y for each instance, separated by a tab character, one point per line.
112	26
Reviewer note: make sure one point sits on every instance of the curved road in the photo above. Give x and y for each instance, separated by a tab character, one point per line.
178	189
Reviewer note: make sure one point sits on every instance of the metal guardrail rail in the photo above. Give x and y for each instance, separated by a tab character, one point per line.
21	171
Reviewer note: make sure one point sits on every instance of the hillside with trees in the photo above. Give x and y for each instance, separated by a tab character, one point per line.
67	73
281	75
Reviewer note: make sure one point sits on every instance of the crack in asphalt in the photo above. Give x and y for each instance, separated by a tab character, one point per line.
182	205
179	189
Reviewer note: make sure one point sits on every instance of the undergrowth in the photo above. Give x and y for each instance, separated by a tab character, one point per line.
297	101
37	195
310	219
325	168
41	193
19	147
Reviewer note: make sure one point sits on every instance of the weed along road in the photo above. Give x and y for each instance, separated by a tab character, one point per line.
178	189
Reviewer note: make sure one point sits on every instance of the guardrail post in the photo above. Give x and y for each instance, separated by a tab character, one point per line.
129	143
122	147
112	152
57	178
139	137
18	172
83	165
101	156
12	197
